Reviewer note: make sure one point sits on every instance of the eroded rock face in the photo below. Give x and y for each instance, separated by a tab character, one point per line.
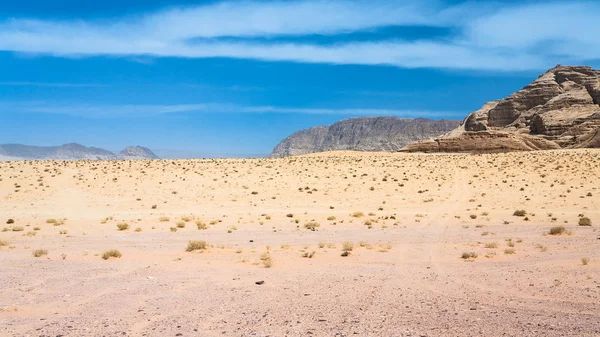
363	134
483	141
561	107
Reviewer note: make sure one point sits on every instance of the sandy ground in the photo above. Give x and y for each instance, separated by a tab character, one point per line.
404	275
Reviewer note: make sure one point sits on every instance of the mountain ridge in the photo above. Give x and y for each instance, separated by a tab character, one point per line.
362	134
71	151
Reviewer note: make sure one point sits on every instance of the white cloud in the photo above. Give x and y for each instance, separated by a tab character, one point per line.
144	110
488	37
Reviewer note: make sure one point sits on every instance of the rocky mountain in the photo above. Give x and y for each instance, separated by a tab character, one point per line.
560	109
363	134
137	152
70	151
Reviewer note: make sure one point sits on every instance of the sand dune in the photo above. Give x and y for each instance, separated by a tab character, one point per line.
405	219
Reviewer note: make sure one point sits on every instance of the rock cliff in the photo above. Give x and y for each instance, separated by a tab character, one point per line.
560	109
363	134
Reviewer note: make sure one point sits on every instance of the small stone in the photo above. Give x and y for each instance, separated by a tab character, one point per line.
259	282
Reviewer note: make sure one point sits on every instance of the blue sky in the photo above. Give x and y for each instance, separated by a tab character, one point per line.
235	77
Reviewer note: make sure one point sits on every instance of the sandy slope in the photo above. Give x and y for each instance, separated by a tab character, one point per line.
404	276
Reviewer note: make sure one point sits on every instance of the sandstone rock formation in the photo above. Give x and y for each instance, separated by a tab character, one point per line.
363	134
560	109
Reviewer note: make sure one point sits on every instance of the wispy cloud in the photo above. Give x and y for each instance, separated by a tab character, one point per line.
145	110
492	36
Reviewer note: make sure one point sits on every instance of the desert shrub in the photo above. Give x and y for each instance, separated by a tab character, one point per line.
469	255
111	253
491	245
122	226
196	245
345	253
556	230
201	225
17	229
357	214
266	259
311	225
40	252
180	224
4	243
585	261
331	218
509	251
347	246
585	221
163	219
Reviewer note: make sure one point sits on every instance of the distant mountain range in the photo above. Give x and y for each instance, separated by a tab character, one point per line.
363	134
72	151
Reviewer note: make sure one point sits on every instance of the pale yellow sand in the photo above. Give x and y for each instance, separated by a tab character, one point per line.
404	275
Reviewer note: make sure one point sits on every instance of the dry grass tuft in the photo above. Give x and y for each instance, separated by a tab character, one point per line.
40	252
111	253
196	245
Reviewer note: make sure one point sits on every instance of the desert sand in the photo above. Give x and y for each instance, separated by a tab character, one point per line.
433	246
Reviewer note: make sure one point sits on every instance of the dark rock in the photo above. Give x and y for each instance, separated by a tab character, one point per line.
259	282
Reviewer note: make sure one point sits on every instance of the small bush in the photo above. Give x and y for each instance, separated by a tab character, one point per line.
311	225
331	218
17	229
469	255
123	226
40	252
173	229
347	246
509	251
201	225
585	221
557	230
111	253
491	245
180	224
266	259
520	212
196	245
163	219
345	253
10	221
585	261
4	243
357	214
